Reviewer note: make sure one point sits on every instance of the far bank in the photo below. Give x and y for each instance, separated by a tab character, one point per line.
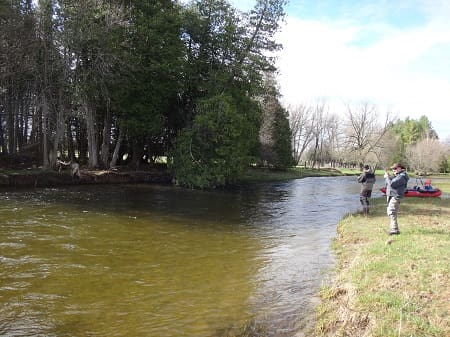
159	175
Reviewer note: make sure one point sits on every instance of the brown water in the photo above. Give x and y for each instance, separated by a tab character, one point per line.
140	260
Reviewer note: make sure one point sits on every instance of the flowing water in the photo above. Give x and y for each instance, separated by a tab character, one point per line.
143	260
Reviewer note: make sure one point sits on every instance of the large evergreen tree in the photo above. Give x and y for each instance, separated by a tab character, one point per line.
146	96
226	52
275	135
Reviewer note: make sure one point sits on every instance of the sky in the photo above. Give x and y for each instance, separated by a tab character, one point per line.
394	54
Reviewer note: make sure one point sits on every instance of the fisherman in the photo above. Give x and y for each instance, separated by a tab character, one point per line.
396	186
366	179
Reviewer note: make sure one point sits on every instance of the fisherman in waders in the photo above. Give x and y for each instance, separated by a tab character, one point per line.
366	179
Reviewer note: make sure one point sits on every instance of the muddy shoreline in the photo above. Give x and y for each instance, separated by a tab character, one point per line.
52	178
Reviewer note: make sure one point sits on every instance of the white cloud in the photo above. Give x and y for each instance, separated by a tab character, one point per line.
397	56
324	59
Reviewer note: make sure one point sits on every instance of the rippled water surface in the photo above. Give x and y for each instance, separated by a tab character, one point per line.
141	260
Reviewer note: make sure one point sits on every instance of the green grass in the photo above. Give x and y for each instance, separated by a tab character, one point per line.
443	183
391	286
253	175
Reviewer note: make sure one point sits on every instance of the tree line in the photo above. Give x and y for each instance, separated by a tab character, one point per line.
108	83
124	82
362	135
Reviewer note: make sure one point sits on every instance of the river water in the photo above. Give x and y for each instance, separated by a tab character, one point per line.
144	260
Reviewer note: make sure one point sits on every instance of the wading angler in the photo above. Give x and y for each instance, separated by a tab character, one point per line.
366	179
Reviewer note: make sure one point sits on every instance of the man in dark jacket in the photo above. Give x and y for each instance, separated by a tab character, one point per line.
396	186
367	179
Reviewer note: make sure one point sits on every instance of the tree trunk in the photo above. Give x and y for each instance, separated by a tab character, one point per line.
115	155
45	113
60	120
106	135
10	124
81	136
137	154
2	139
70	145
92	136
316	147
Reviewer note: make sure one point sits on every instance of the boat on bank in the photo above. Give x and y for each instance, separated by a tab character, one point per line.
425	190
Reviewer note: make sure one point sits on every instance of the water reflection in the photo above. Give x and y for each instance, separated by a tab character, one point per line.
145	260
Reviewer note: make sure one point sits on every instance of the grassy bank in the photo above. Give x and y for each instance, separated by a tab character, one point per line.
266	175
391	286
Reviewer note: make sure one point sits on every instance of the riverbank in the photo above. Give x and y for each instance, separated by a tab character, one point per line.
49	178
254	175
390	286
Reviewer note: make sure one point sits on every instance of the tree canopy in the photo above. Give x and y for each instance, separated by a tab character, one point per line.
118	82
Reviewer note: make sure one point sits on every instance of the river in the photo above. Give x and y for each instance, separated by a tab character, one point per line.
149	260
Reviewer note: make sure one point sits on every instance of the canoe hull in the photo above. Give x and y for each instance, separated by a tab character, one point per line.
419	193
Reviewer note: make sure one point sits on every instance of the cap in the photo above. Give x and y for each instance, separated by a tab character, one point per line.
396	165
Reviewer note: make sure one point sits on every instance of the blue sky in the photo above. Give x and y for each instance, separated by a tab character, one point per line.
393	53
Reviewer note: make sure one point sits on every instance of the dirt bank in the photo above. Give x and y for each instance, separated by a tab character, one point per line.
51	178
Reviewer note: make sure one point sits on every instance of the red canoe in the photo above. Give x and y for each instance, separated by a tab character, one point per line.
419	192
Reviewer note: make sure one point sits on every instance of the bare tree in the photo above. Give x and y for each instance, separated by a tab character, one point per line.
300	120
389	149
334	139
364	131
426	155
319	126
